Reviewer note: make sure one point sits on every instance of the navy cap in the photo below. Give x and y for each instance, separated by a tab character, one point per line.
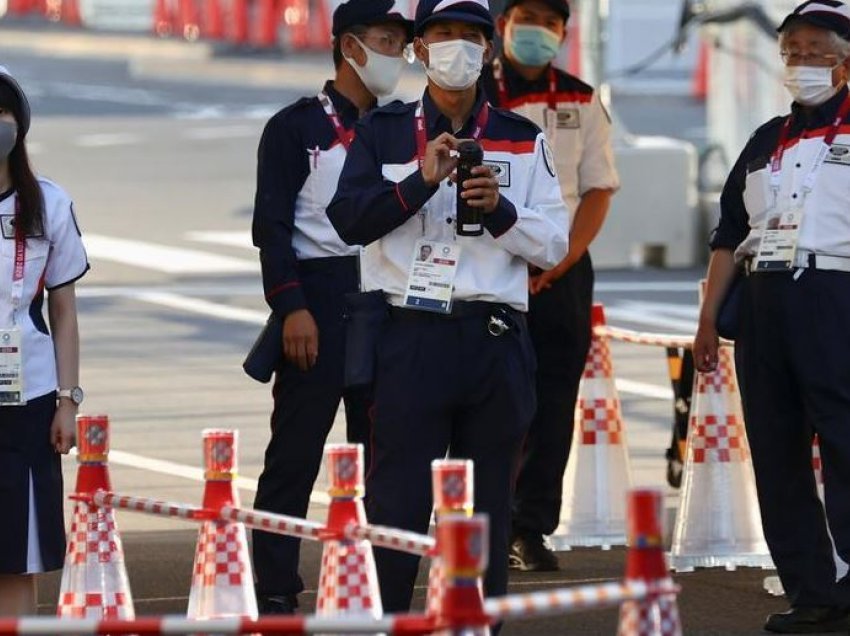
471	11
561	6
21	107
365	12
826	14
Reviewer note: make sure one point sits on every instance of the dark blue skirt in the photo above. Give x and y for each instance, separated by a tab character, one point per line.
25	449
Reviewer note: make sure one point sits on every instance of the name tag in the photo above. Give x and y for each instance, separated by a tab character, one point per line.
779	240
11	368
430	281
563	118
839	155
7	224
501	170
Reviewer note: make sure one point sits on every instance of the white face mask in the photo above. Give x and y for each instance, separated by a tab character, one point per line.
810	85
454	65
381	73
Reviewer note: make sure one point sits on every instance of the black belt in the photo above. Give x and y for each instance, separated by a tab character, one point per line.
500	318
326	264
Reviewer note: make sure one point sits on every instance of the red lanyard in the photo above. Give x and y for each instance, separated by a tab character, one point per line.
20	257
344	135
502	86
422	134
776	161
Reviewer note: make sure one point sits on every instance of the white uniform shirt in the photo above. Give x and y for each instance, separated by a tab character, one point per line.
55	259
579	130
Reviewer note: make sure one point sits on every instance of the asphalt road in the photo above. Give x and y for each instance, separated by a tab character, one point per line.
162	174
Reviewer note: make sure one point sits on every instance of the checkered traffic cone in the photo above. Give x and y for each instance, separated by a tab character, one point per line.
463	544
453	494
222	579
94	578
658	615
772	584
348	581
718	523
598	475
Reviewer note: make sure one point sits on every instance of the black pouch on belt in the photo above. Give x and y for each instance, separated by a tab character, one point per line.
266	353
366	314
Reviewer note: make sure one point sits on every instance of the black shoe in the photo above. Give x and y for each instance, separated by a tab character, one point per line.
809	620
528	554
285	604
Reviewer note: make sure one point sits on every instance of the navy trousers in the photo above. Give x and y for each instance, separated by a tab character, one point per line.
305	405
559	323
445	385
793	360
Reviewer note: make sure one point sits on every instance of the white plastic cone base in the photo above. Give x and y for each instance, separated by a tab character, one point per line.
94	578
348	581
436	586
222	579
598	475
718	522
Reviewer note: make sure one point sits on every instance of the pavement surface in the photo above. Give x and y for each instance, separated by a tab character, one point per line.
156	141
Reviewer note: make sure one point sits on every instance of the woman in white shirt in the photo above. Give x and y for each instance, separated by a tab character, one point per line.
40	249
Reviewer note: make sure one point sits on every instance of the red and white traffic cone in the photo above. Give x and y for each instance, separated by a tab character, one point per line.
718	523
239	21
452	482
222	578
463	543
94	578
598	475
658	615
213	20
348	581
163	21
268	21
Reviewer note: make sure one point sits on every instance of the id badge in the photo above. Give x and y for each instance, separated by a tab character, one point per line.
11	368
778	245
430	280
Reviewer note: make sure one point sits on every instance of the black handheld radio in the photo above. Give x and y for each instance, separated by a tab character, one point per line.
469	218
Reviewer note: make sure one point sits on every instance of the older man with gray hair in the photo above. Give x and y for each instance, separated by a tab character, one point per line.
785	224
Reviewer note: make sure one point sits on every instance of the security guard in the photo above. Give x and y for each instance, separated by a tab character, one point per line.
40	249
784	219
455	365
307	270
524	80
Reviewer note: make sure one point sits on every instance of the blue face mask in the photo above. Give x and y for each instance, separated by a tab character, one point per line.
532	45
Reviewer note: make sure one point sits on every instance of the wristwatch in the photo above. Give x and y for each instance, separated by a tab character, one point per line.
75	394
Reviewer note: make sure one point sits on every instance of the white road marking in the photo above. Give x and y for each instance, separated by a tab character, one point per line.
690	312
653	319
204	307
240	239
162	258
105	140
220	132
190	472
647	286
250	289
644	389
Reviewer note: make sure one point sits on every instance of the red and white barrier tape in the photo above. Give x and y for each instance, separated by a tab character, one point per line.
403	624
652	339
564	601
146	505
393	539
280	524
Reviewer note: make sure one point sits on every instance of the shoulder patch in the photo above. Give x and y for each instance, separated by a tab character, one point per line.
548	157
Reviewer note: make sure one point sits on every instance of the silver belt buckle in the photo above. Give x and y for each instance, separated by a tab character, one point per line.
496	326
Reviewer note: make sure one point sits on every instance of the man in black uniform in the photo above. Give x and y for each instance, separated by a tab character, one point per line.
307	270
456	377
523	79
784	221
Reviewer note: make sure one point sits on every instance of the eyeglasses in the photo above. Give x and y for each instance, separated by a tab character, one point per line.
385	43
795	58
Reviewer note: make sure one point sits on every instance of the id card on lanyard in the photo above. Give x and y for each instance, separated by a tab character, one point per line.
781	233
11	358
